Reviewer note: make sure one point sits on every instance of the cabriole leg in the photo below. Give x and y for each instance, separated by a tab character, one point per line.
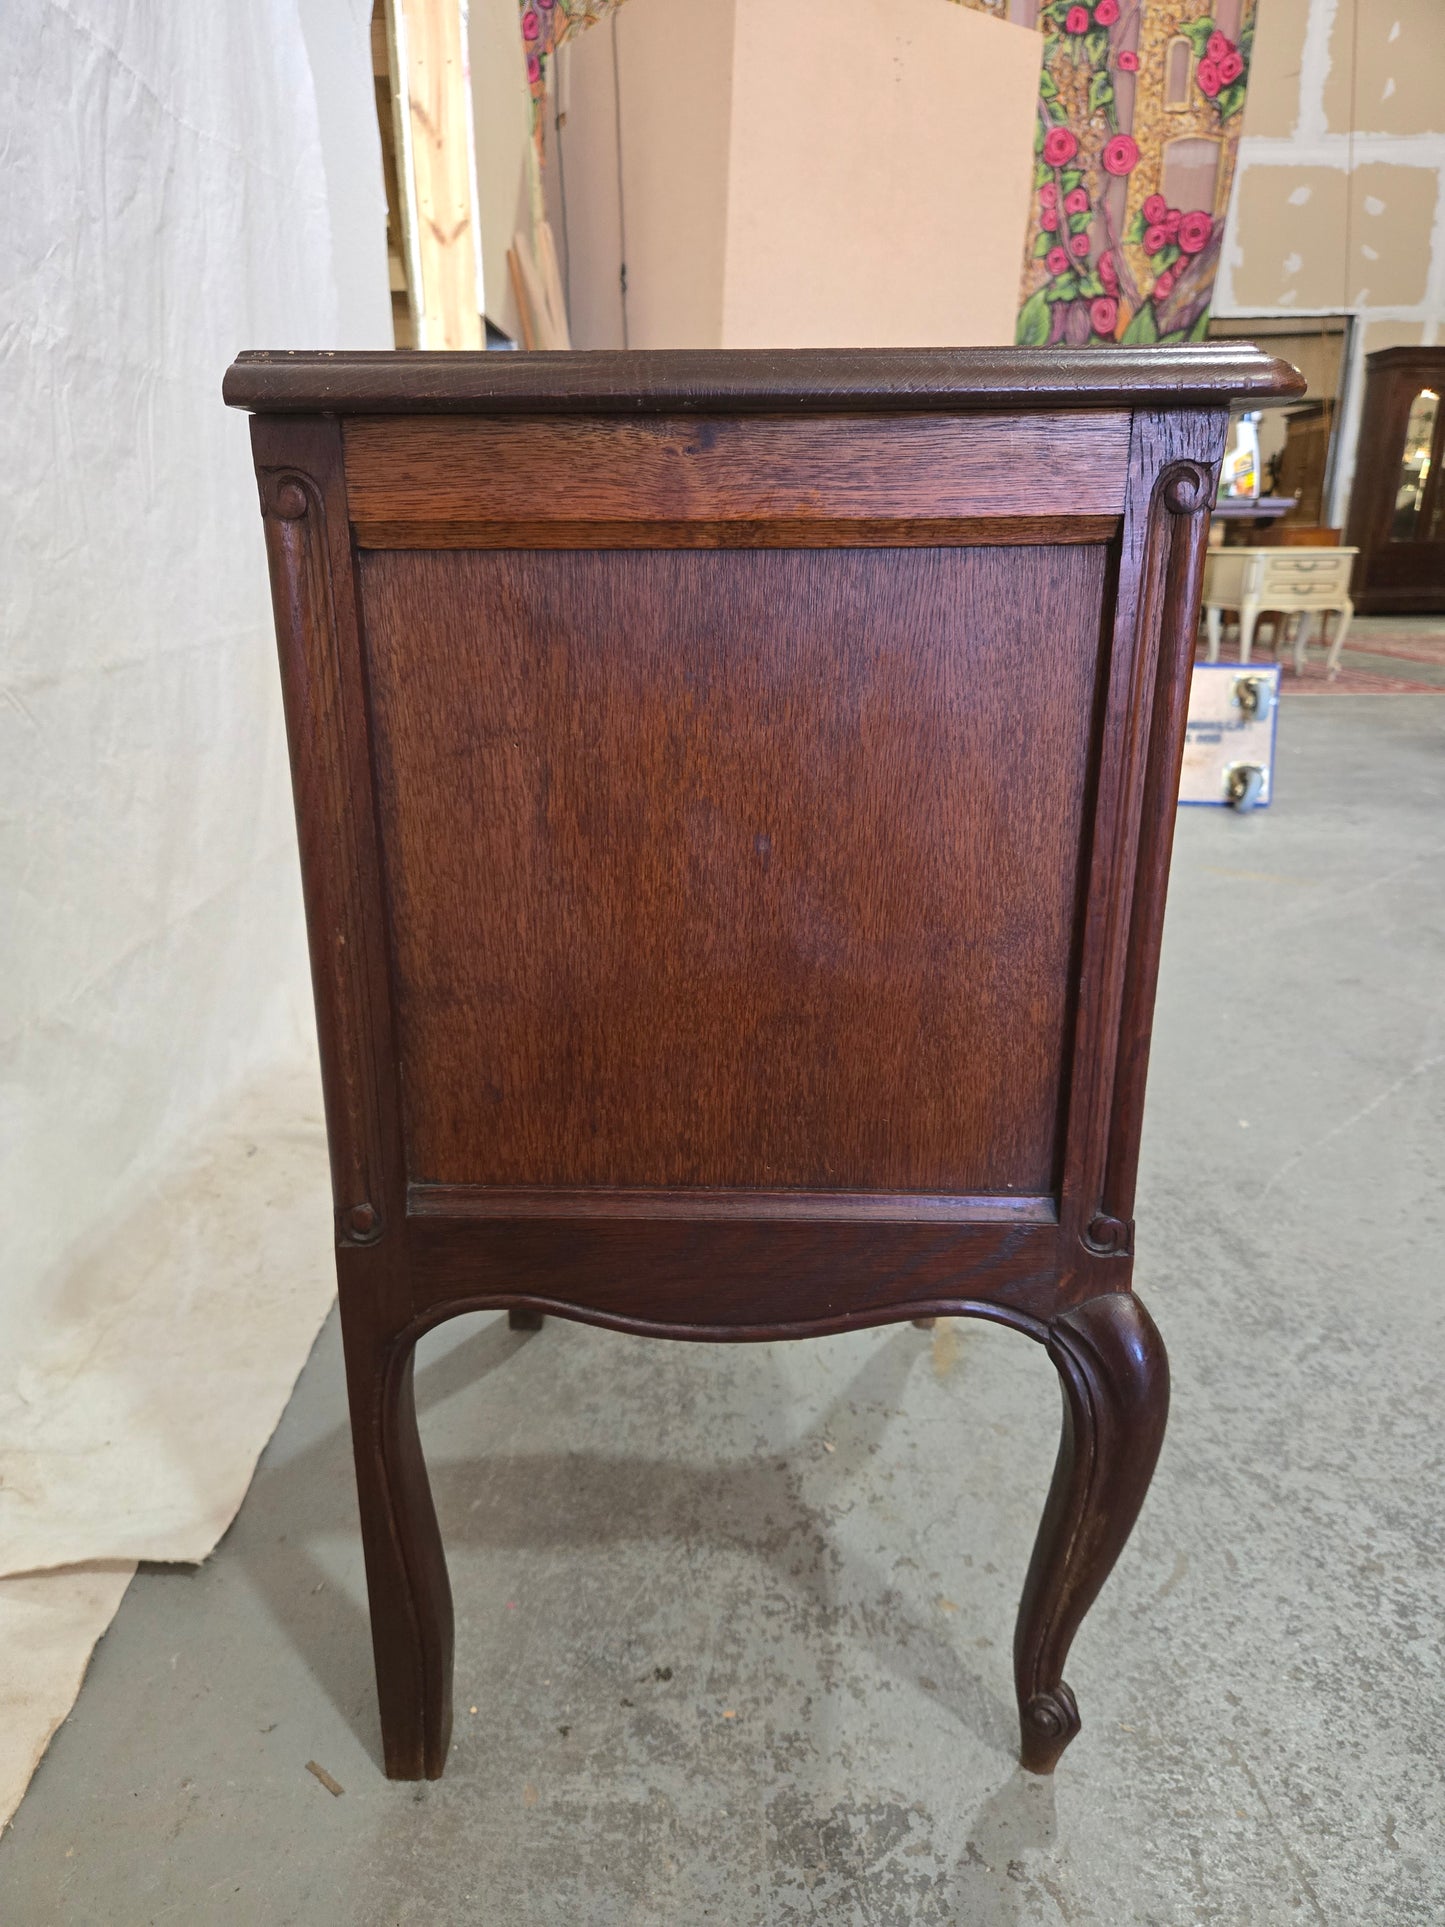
1248	617
1115	1376
1337	641
406	1574
1214	625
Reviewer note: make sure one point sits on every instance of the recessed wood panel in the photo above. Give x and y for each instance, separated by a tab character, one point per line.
752	869
746	482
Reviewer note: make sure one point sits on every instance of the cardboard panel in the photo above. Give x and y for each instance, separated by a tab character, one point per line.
841	172
879	178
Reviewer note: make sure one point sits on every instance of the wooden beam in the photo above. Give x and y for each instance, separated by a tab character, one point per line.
430	46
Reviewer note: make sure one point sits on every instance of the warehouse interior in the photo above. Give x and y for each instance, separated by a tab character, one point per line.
732	1620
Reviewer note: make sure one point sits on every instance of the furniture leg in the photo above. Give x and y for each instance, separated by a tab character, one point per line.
1337	641
1213	625
1248	616
1301	640
1115	1376
406	1574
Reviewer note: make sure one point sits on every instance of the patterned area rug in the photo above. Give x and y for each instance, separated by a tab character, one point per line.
1368	665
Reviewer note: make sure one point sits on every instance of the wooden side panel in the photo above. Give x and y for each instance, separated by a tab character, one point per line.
303	502
734	870
1173	467
749	483
731	1279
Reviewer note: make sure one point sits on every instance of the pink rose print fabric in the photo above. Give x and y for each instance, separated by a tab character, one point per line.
1112	255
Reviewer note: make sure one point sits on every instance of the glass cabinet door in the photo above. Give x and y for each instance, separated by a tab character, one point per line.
1407	523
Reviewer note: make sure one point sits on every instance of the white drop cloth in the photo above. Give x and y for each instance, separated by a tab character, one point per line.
130	1429
48	1628
180	182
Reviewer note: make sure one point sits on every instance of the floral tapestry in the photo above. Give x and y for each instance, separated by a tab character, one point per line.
1140	108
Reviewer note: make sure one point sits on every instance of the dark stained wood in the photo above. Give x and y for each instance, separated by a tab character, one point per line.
700	1205
1391	574
406	1572
791	897
303	502
1115	1379
731	1280
737	483
764	381
785	532
734	857
1175	577
1173	461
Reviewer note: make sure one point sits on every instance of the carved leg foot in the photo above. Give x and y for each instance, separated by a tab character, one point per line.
406	1574
522	1319
1115	1376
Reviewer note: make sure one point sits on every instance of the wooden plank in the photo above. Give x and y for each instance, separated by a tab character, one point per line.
699	1205
435	77
732	1279
736	381
782	532
441	483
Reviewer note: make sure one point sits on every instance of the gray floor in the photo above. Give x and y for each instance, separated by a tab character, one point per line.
735	1622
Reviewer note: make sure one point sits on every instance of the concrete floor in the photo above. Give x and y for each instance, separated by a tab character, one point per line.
735	1621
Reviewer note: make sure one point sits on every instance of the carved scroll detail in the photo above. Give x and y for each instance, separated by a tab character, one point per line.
294	510
1186	488
1109	1237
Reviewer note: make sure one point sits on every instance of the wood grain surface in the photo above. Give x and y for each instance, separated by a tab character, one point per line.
1398	574
743	482
813	381
734	796
756	870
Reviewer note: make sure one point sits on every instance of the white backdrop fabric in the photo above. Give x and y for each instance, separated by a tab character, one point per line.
179	182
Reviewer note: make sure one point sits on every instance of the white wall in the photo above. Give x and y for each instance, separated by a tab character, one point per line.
502	125
1339	197
881	174
675	69
833	173
582	158
180	182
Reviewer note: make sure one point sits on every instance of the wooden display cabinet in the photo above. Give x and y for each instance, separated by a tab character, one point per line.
1397	504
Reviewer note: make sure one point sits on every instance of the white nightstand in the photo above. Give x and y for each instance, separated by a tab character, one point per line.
1292	580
